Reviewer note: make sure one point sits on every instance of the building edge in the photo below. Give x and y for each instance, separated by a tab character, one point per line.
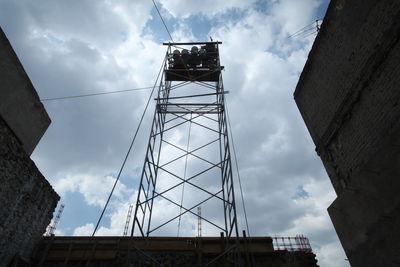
27	198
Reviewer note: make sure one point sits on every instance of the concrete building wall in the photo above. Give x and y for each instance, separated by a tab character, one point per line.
348	95
20	106
27	200
352	71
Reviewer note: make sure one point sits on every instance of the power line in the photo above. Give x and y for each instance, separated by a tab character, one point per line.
169	33
311	33
137	129
304	32
95	94
165	25
130	147
119	91
304	28
239	179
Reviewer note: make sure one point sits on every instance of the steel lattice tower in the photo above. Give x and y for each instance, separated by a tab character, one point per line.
188	160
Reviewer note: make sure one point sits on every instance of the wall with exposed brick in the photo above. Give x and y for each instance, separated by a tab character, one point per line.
27	199
348	95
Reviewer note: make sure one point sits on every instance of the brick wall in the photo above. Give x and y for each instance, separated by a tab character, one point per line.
348	95
348	91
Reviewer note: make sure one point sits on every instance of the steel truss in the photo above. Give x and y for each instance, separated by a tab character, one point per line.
179	109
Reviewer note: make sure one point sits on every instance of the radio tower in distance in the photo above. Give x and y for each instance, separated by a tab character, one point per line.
52	227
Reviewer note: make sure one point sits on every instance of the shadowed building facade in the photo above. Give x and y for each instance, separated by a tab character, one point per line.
27	199
348	95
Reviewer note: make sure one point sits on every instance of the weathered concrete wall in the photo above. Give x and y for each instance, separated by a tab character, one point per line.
348	95
366	214
20	106
27	199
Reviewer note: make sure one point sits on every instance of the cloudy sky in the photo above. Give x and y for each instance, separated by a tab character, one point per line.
84	47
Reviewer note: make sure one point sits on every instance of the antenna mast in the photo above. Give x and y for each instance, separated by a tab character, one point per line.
128	219
52	227
199	221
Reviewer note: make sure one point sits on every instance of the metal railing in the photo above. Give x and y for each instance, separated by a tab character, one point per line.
297	243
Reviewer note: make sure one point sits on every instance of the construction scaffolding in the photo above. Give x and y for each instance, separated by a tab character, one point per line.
297	243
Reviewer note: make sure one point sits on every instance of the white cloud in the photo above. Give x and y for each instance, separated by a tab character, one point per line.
95	189
59	232
85	230
117	221
332	255
293	15
207	8
182	33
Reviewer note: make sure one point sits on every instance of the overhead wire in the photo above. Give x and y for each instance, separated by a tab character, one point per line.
96	94
304	32
234	150
169	33
307	26
306	29
311	33
239	179
130	147
165	25
119	91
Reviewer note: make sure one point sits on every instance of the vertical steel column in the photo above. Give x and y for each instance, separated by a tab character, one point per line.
143	209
